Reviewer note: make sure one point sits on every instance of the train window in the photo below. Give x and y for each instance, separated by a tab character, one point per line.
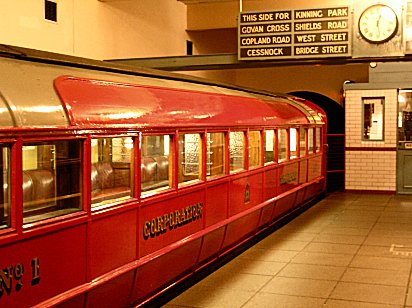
282	145
5	218
111	170
190	158
215	154
254	149
51	179
156	167
310	141
302	142
269	146
293	143
318	139
236	148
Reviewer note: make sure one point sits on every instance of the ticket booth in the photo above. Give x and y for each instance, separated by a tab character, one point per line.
378	130
404	148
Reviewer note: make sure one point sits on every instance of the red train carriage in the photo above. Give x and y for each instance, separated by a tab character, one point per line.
117	185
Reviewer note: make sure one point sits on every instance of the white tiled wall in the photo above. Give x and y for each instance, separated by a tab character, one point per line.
370	170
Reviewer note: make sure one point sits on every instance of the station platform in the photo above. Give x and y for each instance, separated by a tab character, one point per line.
348	250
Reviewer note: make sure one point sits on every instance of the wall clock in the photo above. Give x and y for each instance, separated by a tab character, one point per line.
378	23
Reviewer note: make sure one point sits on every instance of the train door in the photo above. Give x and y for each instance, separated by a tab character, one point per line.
404	148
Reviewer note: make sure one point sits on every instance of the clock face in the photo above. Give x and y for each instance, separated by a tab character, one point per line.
378	23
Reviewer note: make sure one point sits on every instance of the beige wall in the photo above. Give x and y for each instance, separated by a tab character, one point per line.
95	29
224	14
326	80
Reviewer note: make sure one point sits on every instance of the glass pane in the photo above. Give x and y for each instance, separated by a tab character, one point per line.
404	117
373	118
282	145
215	154
269	146
310	140
111	172
51	179
302	144
254	149
155	166
318	139
5	212
236	147
190	153
293	137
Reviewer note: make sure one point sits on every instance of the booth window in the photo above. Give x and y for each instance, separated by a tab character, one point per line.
254	149
5	218
215	154
111	170
236	147
190	158
51	179
50	10
372	118
155	163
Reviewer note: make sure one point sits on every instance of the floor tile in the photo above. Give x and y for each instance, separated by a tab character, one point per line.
333	303
281	244
322	258
269	300
236	281
376	276
332	248
409	298
269	255
322	272
300	287
395	264
339	239
247	266
369	293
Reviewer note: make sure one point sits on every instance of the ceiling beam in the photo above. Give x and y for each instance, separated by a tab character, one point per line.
230	61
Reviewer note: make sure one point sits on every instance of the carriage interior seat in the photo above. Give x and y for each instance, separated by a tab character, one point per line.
155	172
38	187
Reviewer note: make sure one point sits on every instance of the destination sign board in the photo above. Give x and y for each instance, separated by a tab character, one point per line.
300	33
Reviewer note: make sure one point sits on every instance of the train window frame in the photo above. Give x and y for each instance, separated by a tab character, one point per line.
155	188
293	143
51	178
233	168
254	157
311	141
269	146
185	174
318	139
282	145
303	143
210	157
109	193
6	207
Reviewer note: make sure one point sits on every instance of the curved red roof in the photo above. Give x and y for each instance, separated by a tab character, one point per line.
90	102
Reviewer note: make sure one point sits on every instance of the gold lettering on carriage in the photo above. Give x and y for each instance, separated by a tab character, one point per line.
15	273
169	221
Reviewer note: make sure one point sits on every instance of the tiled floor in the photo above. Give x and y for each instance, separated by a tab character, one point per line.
349	250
